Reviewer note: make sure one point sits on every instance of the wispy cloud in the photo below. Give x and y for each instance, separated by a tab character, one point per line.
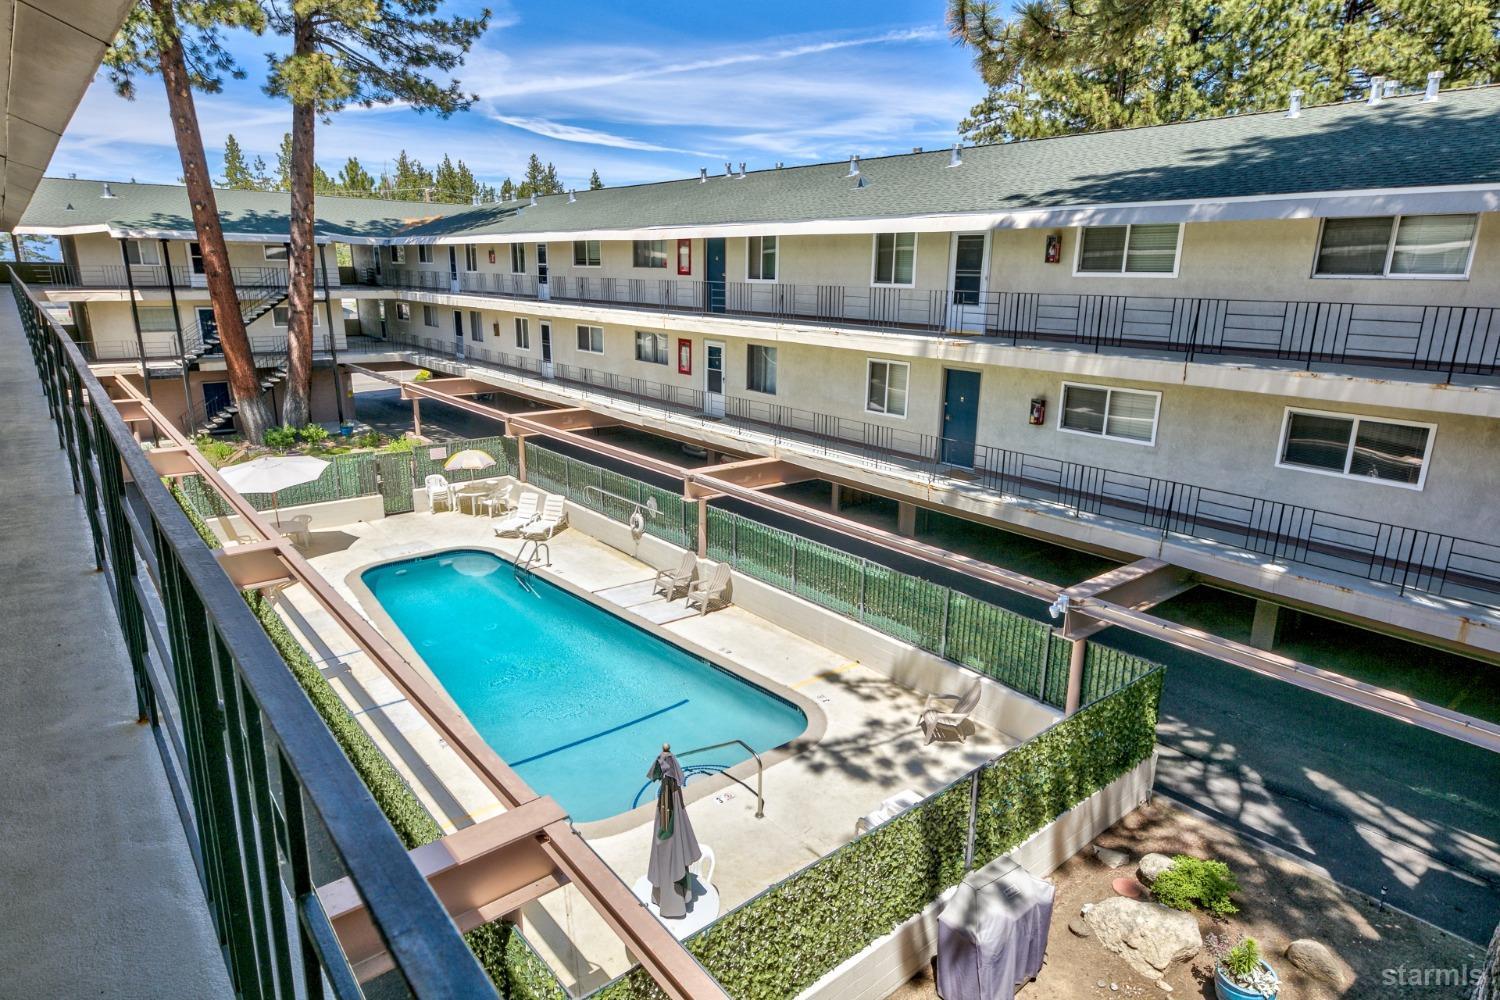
588	136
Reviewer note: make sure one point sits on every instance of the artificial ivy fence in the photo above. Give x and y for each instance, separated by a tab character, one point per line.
513	966
784	940
600	489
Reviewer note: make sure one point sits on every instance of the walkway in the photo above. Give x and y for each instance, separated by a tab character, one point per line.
100	897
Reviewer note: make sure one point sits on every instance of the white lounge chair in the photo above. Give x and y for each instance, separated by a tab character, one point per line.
670	581
953	725
523	515
438	486
705	593
554	517
498	502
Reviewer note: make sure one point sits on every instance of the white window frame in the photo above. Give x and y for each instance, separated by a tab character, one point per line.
471	258
598	257
424	253
522	328
1390	253
141	260
403	312
775	259
916	241
658	338
580	327
282	326
164	314
476	326
1104	435
1355	419
430	316
1122	273
870	364
775	390
518	256
283	255
665	257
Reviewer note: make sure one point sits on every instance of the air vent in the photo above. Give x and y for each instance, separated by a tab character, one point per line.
1433	80
955	159
107	193
1295	110
742	170
853	167
702	175
1376	85
572	196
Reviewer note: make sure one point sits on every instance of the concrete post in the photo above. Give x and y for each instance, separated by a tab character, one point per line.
702	529
1265	630
520	459
1075	675
416	416
835	498
906	519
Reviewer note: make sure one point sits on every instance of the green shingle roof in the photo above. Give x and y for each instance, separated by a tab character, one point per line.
1402	142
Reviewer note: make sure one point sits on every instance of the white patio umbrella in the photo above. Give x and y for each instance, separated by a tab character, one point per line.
273	474
470	459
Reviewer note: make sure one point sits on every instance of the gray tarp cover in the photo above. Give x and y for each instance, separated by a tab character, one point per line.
992	935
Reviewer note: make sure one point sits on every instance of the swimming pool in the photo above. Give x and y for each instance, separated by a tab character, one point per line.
577	700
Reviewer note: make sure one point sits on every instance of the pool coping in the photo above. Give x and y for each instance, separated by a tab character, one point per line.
817	720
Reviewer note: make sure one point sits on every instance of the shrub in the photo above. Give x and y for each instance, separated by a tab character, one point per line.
217	452
281	438
369	439
422	376
401	444
1195	883
313	434
1243	960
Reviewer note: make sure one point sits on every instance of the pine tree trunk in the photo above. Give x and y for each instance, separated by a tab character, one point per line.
296	408
244	384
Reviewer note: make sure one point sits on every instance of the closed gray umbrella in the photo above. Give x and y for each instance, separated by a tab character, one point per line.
674	848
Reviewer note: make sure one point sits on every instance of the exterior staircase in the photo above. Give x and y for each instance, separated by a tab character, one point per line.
254	303
208	423
252	307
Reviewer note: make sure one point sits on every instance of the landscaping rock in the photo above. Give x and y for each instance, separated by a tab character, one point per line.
1316	960
1111	857
1147	935
1151	866
1080	926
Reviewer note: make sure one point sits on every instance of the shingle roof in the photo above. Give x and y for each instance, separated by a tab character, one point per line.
1402	142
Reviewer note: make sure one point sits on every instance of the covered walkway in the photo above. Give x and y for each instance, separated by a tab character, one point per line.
101	897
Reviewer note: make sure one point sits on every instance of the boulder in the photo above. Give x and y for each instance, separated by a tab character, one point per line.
1080	927
1316	960
1111	857
1151	866
1147	935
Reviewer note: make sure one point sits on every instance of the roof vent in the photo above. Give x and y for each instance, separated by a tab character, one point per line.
955	159
69	208
702	175
107	193
728	169
1392	88
533	197
742	170
853	167
1375	86
916	149
474	200
779	164
1295	111
860	182
1433	79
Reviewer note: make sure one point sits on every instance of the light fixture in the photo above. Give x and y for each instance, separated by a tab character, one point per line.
1059	607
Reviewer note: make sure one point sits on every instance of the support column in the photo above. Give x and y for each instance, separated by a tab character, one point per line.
835	498
333	335
1075	675
187	393
1265	630
416	415
906	519
702	529
135	315
520	459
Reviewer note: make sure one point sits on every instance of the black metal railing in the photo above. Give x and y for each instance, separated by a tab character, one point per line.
1410	559
1452	339
152	276
269	803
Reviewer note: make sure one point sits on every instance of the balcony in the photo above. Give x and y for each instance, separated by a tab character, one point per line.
1451	340
113	277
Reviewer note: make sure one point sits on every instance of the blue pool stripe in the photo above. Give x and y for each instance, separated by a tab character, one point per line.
600	734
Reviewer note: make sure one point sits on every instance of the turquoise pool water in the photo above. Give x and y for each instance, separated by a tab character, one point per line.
577	700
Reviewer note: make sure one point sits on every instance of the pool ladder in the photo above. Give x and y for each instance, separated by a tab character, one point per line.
760	799
539	550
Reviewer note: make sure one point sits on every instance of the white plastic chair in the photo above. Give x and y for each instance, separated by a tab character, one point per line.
953	725
498	502
437	486
554	517
703	868
524	514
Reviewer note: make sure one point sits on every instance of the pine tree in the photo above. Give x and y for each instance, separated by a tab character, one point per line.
260	175
595	183
539	179
1059	66
181	40
354	180
284	164
507	190
238	174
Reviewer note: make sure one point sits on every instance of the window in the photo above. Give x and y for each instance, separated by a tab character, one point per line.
403	312
591	339
760	369
1134	249
424	253
471	257
1402	246
142	252
895	258
281	315
1337	444
476	326
276	251
1122	414
760	262
586	253
156	319
523	333
398	255
429	316
886	391
518	258
650	253
651	347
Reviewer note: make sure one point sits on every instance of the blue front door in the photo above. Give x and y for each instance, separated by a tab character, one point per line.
960	416
714	273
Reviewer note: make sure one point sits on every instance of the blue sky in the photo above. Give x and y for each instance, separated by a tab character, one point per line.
640	92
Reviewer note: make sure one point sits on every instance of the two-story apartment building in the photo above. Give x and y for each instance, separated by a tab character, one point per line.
1262	347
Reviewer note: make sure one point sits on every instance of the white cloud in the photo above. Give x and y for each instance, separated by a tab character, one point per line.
588	136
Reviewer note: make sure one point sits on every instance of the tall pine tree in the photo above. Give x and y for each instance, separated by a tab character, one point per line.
594	182
238	174
539	179
354	180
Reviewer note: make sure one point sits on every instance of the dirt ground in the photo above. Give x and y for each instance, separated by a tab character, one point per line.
1279	900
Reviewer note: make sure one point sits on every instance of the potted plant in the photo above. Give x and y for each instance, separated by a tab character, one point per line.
1239	971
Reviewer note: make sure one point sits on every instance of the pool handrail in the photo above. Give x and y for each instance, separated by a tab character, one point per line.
760	772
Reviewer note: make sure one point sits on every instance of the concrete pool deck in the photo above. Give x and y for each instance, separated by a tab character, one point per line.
869	748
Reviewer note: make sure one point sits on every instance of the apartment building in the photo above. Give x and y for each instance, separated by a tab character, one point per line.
1263	348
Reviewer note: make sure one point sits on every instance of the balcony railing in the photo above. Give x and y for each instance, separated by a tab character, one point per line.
114	276
1454	340
269	803
1409	559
